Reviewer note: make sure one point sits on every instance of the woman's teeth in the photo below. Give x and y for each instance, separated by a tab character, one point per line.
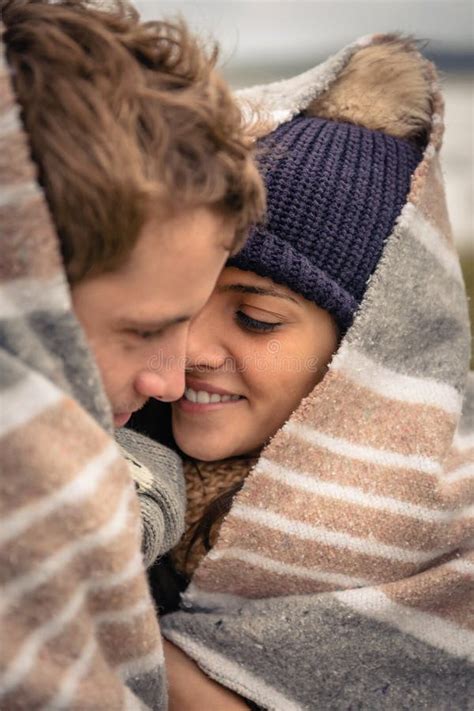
204	398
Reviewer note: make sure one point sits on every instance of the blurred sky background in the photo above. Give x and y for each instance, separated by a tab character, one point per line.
264	40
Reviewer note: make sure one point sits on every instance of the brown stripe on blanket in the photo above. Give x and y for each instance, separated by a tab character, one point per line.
459	492
464	527
313	553
403	484
98	677
93	684
84	519
430	200
28	227
43	681
419	178
437	129
69	640
441	591
31	449
31	248
7	101
457	482
19	171
39	597
140	633
256	582
116	598
123	548
15	164
40	689
41	606
457	458
374	524
16	636
377	421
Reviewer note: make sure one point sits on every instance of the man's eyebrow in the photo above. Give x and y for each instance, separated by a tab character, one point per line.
152	324
260	290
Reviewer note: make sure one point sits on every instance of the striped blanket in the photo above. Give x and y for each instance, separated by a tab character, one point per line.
343	576
77	626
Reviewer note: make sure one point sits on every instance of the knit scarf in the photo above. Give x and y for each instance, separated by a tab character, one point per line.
205	482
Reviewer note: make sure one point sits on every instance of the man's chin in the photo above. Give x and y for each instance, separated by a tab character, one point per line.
121	418
122	415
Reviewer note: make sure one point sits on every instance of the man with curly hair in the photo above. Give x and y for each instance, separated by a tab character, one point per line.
126	181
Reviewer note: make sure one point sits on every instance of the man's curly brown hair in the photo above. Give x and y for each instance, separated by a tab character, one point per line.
125	120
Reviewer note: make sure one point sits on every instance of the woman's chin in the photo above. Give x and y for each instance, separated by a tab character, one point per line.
206	451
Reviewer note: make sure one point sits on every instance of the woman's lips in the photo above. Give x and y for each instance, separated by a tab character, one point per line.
121	418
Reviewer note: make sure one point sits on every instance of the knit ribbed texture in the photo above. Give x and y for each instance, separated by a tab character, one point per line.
158	476
334	191
205	482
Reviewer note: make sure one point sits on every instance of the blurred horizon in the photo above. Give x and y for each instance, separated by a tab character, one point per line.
289	32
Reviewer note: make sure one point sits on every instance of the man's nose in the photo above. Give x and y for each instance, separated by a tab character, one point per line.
165	383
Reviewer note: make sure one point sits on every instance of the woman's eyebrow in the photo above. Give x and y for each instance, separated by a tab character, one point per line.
260	290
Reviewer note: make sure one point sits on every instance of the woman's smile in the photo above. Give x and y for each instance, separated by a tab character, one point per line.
204	397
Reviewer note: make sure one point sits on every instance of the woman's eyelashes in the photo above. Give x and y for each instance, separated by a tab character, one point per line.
252	324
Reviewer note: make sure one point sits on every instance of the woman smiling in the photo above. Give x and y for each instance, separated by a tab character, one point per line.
254	352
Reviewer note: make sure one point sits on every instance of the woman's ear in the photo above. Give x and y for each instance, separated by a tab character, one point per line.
385	87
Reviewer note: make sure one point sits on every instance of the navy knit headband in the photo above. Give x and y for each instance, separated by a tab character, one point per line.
334	192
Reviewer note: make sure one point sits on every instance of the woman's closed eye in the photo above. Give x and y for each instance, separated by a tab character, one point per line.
251	324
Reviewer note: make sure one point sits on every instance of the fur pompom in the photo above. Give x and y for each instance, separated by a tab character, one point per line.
384	87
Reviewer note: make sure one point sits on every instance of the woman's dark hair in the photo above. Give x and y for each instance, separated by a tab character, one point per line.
214	512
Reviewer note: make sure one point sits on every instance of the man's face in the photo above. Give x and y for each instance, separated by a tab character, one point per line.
136	318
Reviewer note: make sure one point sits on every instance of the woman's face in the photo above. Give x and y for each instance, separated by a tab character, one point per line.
254	351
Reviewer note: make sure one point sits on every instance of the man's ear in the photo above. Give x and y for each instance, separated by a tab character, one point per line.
384	87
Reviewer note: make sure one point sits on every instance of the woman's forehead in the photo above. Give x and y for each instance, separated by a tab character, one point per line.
233	277
233	280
